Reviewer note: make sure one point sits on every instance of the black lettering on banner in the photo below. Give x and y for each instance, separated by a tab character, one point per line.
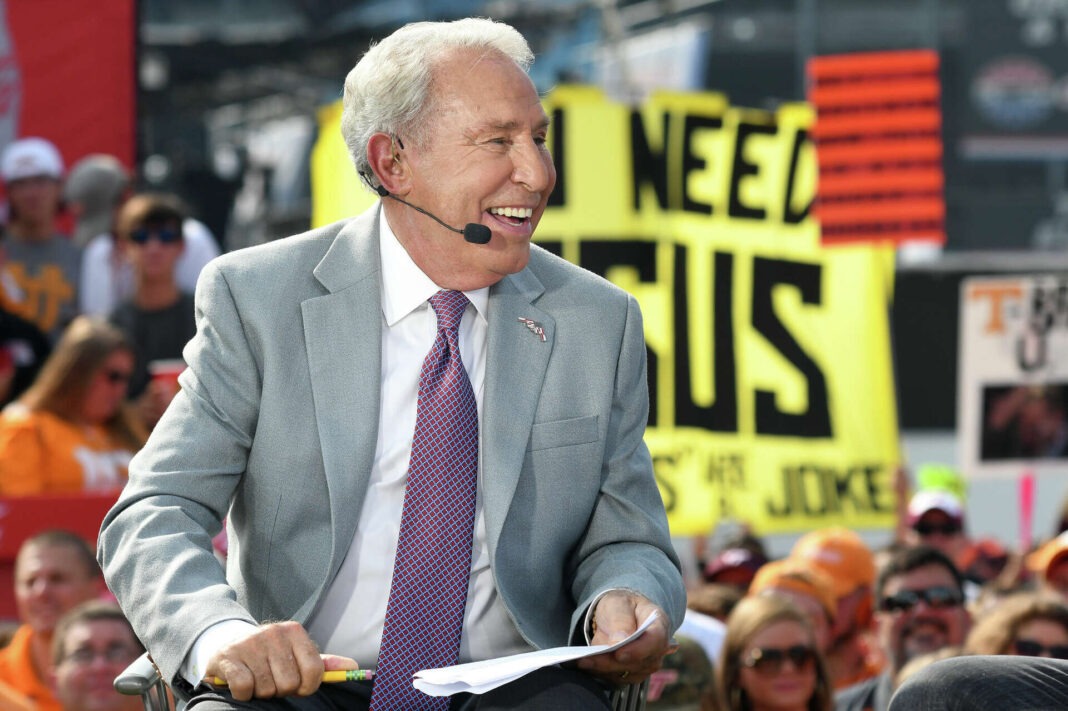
872	489
558	198
722	414
599	257
1049	310
786	507
1031	351
817	490
812	491
815	420
743	168
692	162
789	215
1049	307
726	472
649	165
844	490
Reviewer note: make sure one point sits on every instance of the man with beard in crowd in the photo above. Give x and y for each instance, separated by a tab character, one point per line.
920	609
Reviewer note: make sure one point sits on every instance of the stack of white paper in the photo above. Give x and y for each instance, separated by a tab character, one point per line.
480	677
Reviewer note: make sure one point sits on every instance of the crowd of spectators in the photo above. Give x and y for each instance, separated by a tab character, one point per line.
838	625
96	282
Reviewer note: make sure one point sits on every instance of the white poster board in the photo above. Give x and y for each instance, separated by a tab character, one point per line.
1012	400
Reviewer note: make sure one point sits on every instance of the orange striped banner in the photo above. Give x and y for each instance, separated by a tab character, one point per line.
878	146
872	181
859	66
921	91
872	152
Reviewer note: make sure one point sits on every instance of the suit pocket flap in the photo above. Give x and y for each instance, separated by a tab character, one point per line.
562	433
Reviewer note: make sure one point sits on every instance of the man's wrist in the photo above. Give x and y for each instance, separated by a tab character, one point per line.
208	643
589	626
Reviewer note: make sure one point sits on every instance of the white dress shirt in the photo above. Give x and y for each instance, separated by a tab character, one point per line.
350	618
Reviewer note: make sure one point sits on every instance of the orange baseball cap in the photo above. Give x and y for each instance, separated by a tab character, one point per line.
1041	560
841	554
798	576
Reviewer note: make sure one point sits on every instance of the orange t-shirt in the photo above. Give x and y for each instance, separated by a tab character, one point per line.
44	454
17	672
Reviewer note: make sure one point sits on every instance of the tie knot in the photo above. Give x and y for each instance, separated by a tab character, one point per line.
449	307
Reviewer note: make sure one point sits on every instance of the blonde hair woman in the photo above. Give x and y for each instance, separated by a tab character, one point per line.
770	661
1026	624
71	431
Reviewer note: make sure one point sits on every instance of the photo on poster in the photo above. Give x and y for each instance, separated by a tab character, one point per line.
1024	421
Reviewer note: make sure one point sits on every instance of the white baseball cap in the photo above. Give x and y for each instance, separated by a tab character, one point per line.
934	499
29	158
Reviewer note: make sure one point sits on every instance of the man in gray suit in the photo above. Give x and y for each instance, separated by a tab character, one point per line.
296	416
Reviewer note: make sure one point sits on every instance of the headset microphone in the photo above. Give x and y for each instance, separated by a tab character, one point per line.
472	231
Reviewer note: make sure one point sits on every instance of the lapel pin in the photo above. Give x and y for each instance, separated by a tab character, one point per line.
535	327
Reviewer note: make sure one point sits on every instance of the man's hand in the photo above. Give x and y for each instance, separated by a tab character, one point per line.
278	659
616	616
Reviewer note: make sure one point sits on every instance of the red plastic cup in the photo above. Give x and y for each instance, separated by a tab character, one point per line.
167	372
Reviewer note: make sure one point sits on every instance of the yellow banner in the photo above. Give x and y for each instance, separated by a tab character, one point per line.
771	386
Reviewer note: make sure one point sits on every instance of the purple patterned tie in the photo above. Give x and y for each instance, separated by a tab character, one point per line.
433	566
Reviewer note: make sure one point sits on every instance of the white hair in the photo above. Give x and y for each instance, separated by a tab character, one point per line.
388	90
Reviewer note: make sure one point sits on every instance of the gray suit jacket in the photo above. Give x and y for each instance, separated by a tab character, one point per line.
276	424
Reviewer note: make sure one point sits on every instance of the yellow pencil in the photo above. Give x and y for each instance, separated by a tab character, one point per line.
329	677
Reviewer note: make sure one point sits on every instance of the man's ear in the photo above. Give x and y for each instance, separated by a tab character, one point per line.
387	164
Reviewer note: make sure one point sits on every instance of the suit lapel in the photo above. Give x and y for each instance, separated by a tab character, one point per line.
515	369
343	334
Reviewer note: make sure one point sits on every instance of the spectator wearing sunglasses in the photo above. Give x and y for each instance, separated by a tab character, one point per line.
919	609
808	587
1033	676
770	661
936	519
158	317
1026	624
96	189
71	430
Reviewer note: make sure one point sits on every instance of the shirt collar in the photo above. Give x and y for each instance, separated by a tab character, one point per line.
404	285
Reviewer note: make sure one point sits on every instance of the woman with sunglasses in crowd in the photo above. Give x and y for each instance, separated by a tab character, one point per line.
71	430
158	316
770	661
1025	624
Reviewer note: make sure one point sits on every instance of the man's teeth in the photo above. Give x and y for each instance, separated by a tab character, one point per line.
520	212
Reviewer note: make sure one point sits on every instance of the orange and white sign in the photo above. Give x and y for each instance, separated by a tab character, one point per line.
1012	405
